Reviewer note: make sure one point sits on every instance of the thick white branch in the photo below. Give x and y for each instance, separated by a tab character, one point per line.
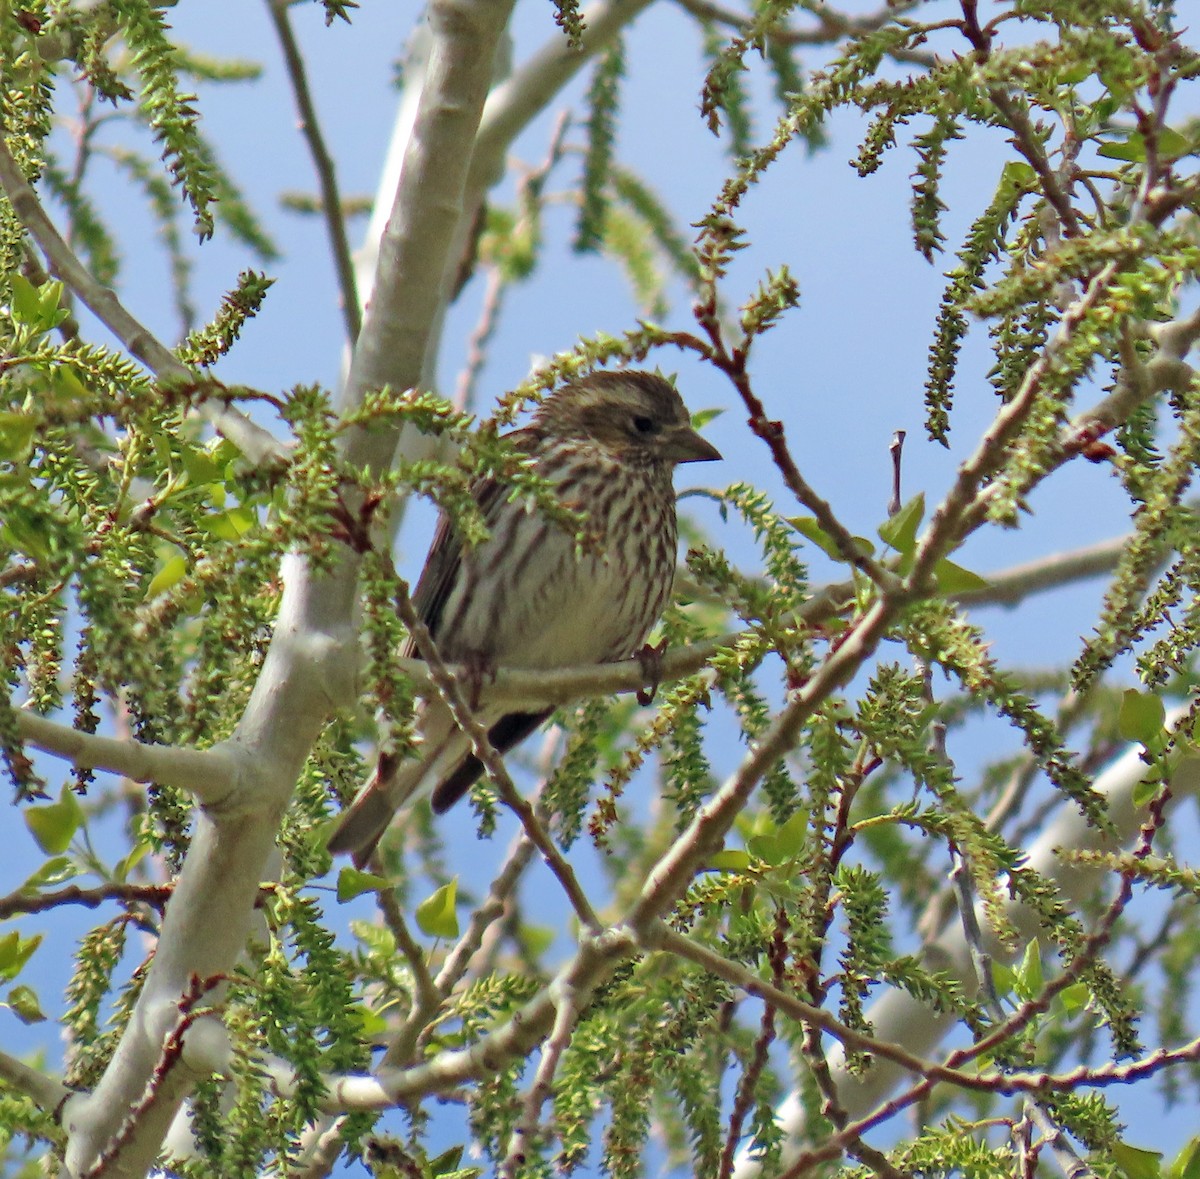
311	662
47	1093
207	774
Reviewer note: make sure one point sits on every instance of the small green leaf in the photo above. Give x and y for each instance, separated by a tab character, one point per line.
54	871
1131	150
537	939
26	302
779	845
1137	1164
702	417
16	436
1145	791
1074	999
51	313
1187	1162
28	532
1141	716
170	573
377	938
1018	174
352	883
371	1023
66	384
24	1003
54	825
954	579
900	530
15	951
126	864
230	525
436	915
1170	146
811	530
1028	978
730	860
200	466
1003	979
446	1162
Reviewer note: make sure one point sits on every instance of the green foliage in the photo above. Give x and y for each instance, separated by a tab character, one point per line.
168	110
597	161
207	346
142	571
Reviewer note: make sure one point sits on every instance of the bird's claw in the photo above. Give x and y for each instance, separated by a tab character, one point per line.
478	669
650	657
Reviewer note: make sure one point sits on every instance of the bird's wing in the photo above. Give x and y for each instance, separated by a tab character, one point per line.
509	731
444	561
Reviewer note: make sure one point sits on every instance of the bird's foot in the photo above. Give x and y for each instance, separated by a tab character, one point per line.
650	657
478	670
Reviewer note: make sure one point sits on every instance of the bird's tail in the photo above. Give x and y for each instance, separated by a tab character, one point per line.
445	769
395	782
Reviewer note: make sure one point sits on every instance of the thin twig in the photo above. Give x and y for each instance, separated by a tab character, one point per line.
450	691
257	444
326	170
24	902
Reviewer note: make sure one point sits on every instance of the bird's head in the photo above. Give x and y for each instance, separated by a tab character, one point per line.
636	417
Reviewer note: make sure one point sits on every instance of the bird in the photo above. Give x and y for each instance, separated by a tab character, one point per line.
529	596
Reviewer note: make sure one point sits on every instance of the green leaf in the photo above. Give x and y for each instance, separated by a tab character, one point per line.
1145	791
954	579
729	860
446	1162
230	525
1137	1164
66	383
54	825
16	436
1004	979
53	871
1171	145
126	864
24	1003
779	845
51	313
171	572
28	532
1187	1162
15	951
900	530
200	466
26	303
377	938
1028	978
1141	716
702	417
1131	150
436	915
536	939
1074	999
352	883
811	530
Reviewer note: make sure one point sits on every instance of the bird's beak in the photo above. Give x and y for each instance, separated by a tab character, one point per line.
684	445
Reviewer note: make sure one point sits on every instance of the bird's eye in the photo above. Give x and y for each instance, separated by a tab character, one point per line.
644	425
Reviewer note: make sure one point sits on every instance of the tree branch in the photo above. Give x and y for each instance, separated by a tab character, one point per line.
331	201
48	1094
258	445
206	774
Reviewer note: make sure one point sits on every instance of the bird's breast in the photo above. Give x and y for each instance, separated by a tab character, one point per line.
528	598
